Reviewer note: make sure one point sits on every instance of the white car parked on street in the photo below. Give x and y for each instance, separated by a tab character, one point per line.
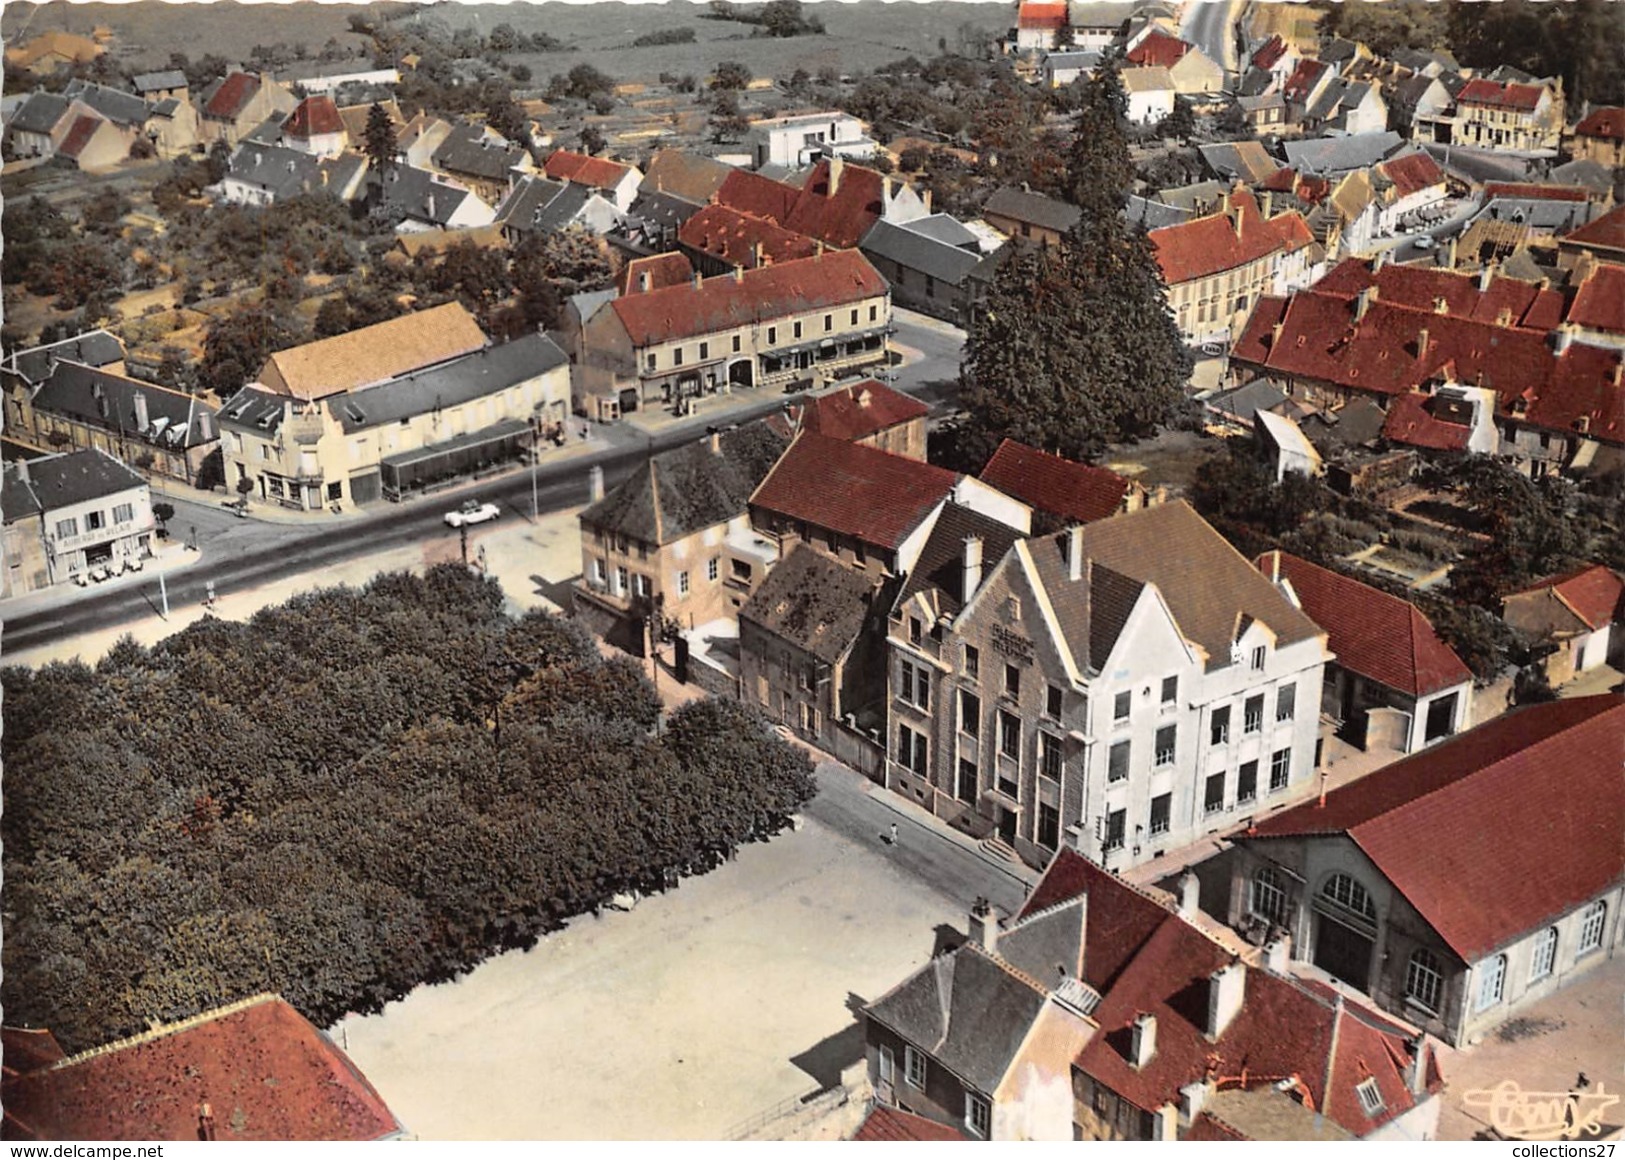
473	513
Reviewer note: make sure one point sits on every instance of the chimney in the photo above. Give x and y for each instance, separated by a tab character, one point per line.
1266	202
644	281
141	416
1450	252
205	426
1364	301
1422	343
22	470
925	199
756	255
1486	275
984	925
1192	1098
1190	891
1074	553
1503	316
1226	989
1416	1070
697	278
1441	305
1277	953
1142	1040
835	167
431	207
1562	337
1275	566
739	275
972	567
1381	259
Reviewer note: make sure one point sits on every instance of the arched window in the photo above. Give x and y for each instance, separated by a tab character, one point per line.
1544	956
1491	983
1424	980
1592	921
1349	895
1268	896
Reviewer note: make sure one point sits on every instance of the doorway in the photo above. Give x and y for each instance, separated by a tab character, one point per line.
1342	952
1007	826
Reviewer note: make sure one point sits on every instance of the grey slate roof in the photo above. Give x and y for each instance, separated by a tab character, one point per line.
255	409
156	81
1047	940
689	488
58	481
409	191
943	228
588	302
914	251
104	400
813	602
1255	82
95	348
285	173
117	106
1331	156
527	199
967	1011
1353	425
1585	172
40	113
496	368
1154	215
467	150
665	210
17	498
1542	215
1245	401
941	562
1008	201
561	211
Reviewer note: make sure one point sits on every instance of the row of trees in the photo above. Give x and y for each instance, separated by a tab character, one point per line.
347	796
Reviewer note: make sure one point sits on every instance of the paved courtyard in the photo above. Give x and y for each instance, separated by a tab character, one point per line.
678	1020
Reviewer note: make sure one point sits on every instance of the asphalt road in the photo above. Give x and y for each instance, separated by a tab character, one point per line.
241	554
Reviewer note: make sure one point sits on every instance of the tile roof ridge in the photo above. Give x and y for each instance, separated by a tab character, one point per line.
654	501
163	1030
1052	908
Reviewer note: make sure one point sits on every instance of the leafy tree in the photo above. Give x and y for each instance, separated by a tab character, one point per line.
731	74
236	345
378	140
1179	124
593	140
785	18
163	513
584	80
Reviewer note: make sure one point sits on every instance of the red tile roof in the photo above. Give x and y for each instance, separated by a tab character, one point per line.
1374	634
1604	233
862	409
1410	422
1381	354
1607	122
595	172
232	96
895	1124
84	128
1599	304
1062	487
1033	14
727	301
313	117
1496	832
1303	80
664	270
758	196
264	1070
1226	240
1271	51
1412	173
1534	191
733	237
1594	593
1159	50
851	489
838	203
1504	301
1499	95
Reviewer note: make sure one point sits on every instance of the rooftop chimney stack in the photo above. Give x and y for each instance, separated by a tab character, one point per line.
984	925
1364	301
141	415
972	567
1074	553
595	484
1226	990
1192	1098
1562	337
1190	890
1277	953
1143	1040
739	275
205	426
697	279
1422	343
1416	1071
1486	275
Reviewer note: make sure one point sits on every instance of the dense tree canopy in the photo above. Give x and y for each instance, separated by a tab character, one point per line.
1076	348
348	795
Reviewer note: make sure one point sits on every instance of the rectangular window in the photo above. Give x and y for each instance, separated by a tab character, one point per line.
874	313
1213	793
677	357
829	323
1117	762
682	583
1121	704
1247	782
66	528
649	361
772	335
1166	737
973	661
705	350
1010	735
1592	922
622	580
1162	807
978	1115
1280	769
1371	1101
711	569
921	692
1049	826
1049	756
1253	714
1170	690
797	329
1053	702
95	521
965	790
1219	726
736	344
854	318
598	573
1258	659
1012	680
911	749
914	1067
915	630
1286	702
644	587
1116	825
970	713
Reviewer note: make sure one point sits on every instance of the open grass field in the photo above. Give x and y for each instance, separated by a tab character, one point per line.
860	34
